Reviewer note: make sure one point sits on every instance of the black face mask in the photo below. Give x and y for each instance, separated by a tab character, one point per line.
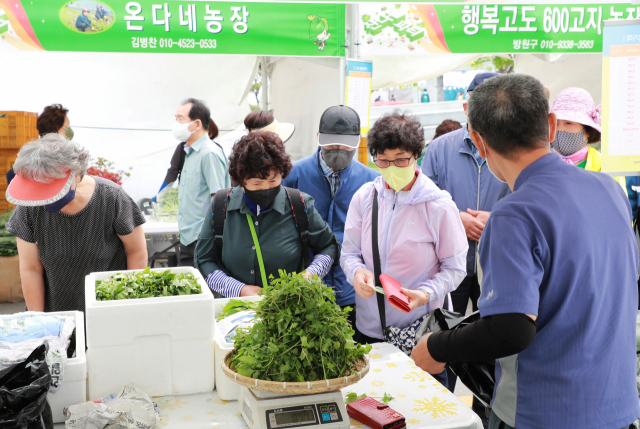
263	197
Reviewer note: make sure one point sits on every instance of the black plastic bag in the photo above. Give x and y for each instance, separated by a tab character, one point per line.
479	377
23	393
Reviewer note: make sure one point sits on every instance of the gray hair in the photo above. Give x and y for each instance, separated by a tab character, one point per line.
50	158
511	113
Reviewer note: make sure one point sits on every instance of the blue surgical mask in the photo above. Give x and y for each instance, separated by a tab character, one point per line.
58	205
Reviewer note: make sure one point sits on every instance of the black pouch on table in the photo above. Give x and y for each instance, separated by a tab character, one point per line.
23	393
479	377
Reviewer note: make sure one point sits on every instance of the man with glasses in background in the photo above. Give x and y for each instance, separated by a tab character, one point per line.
454	164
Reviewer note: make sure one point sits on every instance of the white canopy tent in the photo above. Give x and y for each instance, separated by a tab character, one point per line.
122	106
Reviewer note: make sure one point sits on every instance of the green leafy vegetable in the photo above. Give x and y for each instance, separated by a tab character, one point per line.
167	208
387	398
302	335
351	397
146	284
235	306
8	245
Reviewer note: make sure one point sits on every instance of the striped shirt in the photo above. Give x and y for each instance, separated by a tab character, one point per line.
229	287
332	176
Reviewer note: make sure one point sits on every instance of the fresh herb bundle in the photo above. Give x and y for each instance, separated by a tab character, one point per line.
236	306
167	208
146	284
302	334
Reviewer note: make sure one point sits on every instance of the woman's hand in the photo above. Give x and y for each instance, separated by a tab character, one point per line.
364	276
417	298
423	358
249	290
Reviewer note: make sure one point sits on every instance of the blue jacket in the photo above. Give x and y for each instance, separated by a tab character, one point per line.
450	163
308	177
633	182
83	20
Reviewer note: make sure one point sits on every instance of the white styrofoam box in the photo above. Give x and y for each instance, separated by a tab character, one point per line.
73	389
227	389
163	346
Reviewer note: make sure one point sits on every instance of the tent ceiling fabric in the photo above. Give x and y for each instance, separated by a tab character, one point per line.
301	89
392	71
127	91
558	73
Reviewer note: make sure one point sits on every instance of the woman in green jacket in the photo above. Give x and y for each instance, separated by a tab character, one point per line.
260	234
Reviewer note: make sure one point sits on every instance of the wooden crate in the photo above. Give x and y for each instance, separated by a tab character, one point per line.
17	128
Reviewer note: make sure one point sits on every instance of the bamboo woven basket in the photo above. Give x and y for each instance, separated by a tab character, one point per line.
304	388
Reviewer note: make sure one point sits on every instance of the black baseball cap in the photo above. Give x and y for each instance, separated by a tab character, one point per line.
339	125
481	77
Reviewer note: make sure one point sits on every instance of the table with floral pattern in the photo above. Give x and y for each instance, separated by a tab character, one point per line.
423	401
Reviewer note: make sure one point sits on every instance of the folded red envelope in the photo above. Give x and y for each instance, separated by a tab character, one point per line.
392	288
375	414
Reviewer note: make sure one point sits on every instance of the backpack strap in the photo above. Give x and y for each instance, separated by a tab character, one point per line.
376	263
219	210
301	218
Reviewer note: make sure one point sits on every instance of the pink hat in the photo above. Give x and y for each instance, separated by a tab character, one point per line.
576	105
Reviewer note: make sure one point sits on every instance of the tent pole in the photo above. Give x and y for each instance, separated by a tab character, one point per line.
265	83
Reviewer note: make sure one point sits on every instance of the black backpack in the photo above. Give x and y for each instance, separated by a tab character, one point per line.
300	217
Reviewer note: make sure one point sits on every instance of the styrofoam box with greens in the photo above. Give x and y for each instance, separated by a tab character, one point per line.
227	389
73	389
163	345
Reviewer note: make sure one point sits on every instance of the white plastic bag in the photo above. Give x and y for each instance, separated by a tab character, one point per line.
129	409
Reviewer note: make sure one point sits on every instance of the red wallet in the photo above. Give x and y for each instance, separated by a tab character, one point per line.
392	288
375	414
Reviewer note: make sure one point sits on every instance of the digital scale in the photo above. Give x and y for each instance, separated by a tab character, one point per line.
264	410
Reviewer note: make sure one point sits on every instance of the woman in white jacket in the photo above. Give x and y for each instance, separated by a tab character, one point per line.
421	240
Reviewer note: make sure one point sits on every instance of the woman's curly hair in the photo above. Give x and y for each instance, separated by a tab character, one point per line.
258	154
51	119
396	131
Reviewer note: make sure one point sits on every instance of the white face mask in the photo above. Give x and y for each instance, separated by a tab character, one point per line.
487	159
181	131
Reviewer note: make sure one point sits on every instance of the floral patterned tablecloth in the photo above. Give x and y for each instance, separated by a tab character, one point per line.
418	396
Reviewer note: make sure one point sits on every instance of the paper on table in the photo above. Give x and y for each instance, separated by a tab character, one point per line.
229	325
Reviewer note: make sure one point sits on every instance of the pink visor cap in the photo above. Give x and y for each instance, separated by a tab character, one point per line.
576	105
23	191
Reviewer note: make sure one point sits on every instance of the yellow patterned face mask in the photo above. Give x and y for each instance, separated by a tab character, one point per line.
398	177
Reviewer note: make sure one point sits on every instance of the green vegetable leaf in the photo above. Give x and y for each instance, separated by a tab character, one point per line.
146	284
301	333
387	398
353	396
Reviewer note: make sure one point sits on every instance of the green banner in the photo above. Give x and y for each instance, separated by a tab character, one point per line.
418	29
534	28
205	27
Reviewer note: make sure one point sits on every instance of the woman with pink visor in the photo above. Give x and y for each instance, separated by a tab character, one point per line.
578	127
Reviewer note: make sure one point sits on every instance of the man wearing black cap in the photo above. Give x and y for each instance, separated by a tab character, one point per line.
453	163
332	177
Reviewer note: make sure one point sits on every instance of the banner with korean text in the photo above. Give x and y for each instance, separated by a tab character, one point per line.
207	27
621	98
418	29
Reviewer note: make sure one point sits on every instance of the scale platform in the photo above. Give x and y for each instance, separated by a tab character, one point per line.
263	410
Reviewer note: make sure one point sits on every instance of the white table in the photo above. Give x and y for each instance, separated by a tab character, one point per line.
423	401
153	227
